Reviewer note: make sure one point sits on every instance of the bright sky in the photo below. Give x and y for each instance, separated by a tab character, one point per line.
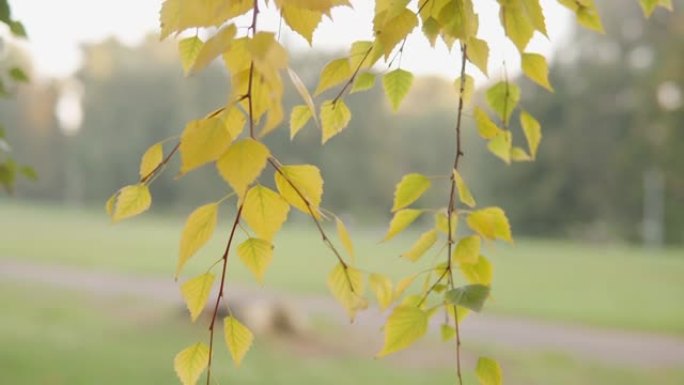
57	28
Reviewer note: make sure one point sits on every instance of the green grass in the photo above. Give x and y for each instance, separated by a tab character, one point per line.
54	336
613	286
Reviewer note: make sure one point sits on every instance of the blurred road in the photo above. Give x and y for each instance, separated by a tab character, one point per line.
640	349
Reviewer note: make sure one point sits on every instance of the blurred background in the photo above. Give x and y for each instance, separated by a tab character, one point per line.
592	292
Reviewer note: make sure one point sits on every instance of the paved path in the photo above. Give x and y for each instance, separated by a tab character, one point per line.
641	349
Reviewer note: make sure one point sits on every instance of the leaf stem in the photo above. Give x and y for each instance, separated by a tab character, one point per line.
147	179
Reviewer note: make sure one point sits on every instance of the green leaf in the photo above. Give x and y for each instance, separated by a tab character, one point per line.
335	117
188	49
397	85
401	220
334	73
238	338
242	164
491	223
471	297
363	82
191	362
422	245
198	230
488	371
532	130
409	189
503	97
535	67
404	326
257	255
467	250
447	332
196	293
18	75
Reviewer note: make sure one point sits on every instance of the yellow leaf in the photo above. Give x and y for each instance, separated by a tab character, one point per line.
485	126
242	164
503	97
397	85
535	67
301	20
516	22
409	189
467	250
587	14
501	145
382	288
402	285
264	211
478	54
238	58
363	54
532	130
191	362
345	239
458	20
257	255
303	91
401	220
404	326
234	120
490	223
299	116
480	272
468	88
442	224
346	284
151	159
189	48
179	15
519	155
431	29
395	30
196	293
423	244
214	47
463	191
198	229
488	371
267	55
238	338
649	6
334	73
203	141
131	201
363	82
109	205
308	182
334	118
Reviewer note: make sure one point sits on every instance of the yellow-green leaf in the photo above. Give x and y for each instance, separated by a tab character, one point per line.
532	130
471	297
345	238
364	81
501	145
442	224
179	15
400	221
191	362
409	189
481	272
422	245
238	338
586	12
397	85
447	332
198	229
363	54
299	116
257	255
488	371
188	49
242	164
308	182
404	326
650	5
203	141
520	18
334	73
468	88
503	97
151	159
196	292
485	126
519	155
264	211
382	288
335	117
464	193
478	54
467	250
402	285
395	30
535	67
346	284
131	201
490	223
214	47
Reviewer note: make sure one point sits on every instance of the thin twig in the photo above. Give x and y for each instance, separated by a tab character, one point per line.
161	165
353	77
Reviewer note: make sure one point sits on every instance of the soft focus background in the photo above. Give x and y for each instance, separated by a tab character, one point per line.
591	293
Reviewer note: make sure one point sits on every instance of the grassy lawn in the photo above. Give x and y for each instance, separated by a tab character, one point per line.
62	337
613	286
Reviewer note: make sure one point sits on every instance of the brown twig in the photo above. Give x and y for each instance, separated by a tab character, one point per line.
353	77
161	165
